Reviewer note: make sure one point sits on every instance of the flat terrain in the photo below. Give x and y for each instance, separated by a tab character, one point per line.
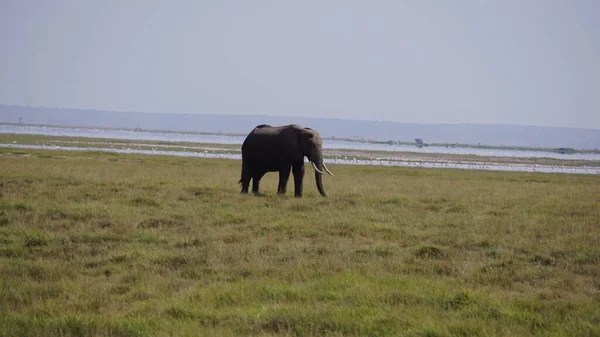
103	244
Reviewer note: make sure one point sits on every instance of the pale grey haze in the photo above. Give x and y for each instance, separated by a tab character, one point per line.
526	62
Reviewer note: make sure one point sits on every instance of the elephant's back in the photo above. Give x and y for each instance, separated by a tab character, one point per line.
266	139
263	126
274	130
265	129
256	141
261	146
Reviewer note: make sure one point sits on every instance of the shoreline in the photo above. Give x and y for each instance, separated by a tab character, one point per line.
332	138
343	157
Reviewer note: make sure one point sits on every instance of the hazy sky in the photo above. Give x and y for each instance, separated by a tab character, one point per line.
426	61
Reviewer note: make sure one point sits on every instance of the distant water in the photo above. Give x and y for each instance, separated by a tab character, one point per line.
120	134
329	144
334	144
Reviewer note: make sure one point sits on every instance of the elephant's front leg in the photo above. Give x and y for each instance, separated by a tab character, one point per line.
298	171
256	181
284	176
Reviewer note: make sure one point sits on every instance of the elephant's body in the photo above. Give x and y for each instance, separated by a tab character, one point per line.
280	149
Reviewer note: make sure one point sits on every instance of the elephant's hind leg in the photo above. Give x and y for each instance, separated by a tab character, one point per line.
246	176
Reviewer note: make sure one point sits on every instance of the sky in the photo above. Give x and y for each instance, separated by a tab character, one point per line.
527	62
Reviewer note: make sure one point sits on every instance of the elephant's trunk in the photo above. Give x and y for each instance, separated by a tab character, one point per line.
319	180
319	174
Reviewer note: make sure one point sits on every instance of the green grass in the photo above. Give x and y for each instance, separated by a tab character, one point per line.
96	244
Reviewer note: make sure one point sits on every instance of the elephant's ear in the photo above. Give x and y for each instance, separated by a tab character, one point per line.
290	143
306	141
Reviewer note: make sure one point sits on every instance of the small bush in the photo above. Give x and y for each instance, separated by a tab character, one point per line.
145	202
430	252
36	239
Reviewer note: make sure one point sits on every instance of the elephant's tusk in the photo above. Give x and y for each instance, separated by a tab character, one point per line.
316	169
326	169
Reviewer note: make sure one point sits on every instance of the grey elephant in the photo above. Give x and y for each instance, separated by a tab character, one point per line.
281	149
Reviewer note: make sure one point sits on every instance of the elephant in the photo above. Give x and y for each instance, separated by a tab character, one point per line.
281	149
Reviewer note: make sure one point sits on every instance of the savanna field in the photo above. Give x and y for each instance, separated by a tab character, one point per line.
101	244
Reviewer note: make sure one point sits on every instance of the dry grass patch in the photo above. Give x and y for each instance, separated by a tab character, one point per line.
128	245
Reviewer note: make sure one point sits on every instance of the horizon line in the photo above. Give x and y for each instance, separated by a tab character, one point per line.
283	116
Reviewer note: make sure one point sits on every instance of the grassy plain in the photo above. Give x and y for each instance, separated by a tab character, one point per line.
103	244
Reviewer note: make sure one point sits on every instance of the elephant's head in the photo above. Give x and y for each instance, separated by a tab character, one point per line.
311	146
